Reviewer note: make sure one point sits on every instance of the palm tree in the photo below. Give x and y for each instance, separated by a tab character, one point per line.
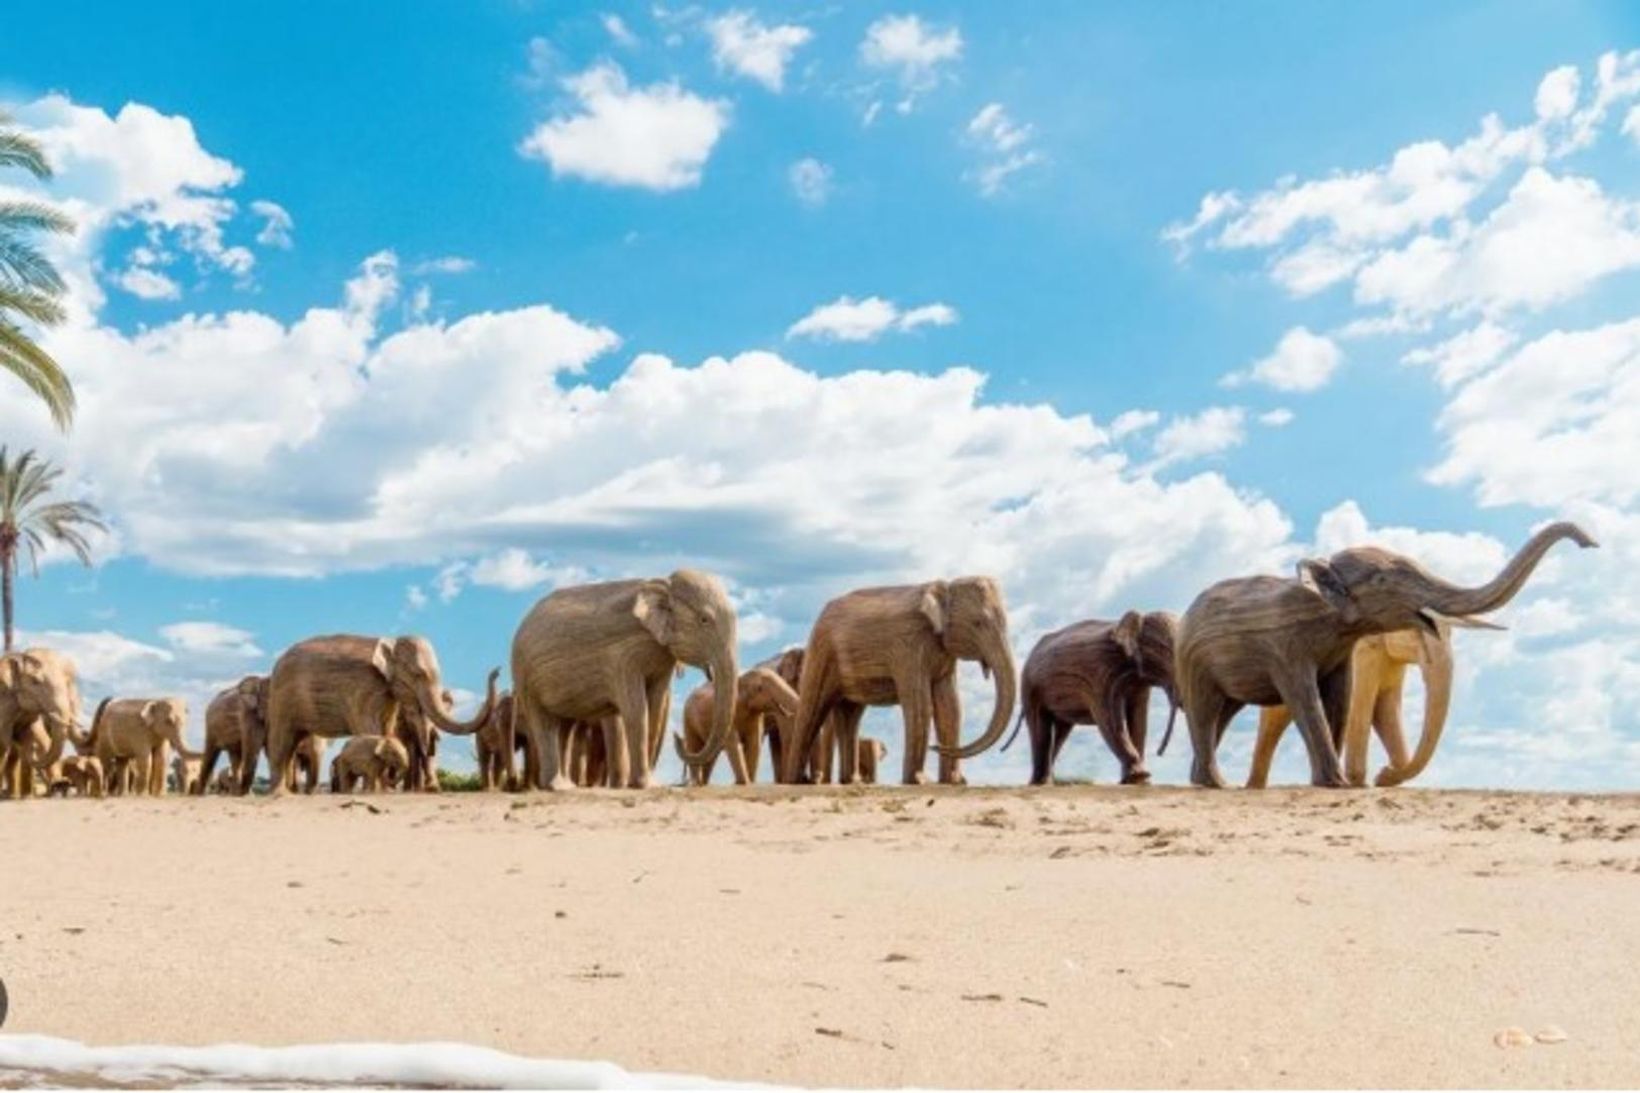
30	285
28	519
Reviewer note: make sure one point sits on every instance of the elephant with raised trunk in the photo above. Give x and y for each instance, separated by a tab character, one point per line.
900	646
1101	674
1270	641
350	685
608	650
38	691
1378	670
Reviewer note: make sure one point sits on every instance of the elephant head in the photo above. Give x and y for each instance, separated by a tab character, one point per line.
253	711
971	623
763	691
40	683
690	615
411	670
1372	590
1147	641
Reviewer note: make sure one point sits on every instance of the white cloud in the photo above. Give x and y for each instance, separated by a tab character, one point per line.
1133	421
744	46
1464	356
148	284
1005	144
657	137
445	264
1557	93
1302	362
811	181
617	30
210	637
913	50
277	225
1631	124
849	320
1211	432
1276	418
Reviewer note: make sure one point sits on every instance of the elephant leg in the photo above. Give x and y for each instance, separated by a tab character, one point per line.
1205	709
545	730
737	759
1386	718
634	708
1039	724
1113	728
751	746
947	728
281	750
1272	724
916	706
1357	725
777	754
1307	698
207	763
845	721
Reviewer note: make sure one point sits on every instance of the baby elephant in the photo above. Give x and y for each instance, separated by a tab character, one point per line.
375	762
81	773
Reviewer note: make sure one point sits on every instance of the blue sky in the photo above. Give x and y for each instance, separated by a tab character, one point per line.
542	294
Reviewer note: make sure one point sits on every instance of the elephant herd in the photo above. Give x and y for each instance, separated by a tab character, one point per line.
592	670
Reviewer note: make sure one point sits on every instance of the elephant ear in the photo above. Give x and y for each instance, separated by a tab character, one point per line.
653	608
1126	634
935	603
381	659
1319	577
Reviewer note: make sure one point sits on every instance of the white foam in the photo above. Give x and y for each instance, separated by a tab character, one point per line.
441	1065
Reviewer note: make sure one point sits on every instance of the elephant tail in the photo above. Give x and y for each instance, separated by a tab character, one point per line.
1172	716
91	737
1008	743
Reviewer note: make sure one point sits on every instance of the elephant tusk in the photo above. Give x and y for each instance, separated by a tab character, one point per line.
1470	622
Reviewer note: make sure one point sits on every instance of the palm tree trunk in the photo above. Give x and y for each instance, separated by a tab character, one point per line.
7	566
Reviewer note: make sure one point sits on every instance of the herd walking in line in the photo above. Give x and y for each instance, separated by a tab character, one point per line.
592	669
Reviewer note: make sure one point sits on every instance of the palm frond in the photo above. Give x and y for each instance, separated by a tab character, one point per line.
34	523
34	216
18	149
31	304
38	372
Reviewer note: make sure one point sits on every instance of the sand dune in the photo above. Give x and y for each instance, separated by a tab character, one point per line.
1070	936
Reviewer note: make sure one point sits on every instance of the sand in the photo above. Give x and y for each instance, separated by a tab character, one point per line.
1081	936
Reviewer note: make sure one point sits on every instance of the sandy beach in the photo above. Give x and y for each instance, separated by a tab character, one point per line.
1081	936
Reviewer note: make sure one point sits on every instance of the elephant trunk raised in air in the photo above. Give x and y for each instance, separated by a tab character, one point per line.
432	702
1437	669
1456	602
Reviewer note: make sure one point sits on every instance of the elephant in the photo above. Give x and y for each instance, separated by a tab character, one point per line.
870	754
489	740
900	645
596	651
760	696
1270	641
1378	669
350	685
30	747
1098	673
374	761
37	687
585	751
133	737
307	765
234	727
226	782
81	773
185	772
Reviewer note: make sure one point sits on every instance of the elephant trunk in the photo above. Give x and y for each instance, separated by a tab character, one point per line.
1000	663
725	680
62	730
432	703
1450	599
1437	670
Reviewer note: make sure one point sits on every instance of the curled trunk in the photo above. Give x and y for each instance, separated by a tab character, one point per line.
1437	670
1450	599
1000	663
724	687
432	703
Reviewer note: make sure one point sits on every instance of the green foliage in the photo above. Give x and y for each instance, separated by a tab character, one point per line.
30	520
30	286
451	782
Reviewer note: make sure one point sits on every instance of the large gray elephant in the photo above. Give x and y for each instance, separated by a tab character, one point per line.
1269	641
38	687
598	651
349	685
900	645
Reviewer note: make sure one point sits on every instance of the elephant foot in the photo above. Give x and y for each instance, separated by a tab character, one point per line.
955	779
1207	777
1138	776
559	784
920	778
1335	780
643	781
1388	777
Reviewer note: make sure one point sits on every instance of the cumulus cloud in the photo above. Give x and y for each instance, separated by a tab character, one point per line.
445	264
210	637
912	50
1276	418
148	284
1464	355
617	30
1301	362
849	320
1195	436
811	182
744	46
1005	147
656	138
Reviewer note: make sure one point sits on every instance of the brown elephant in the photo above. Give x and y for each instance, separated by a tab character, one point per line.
608	650
38	689
81	773
234	727
1098	673
1378	669
307	765
375	762
185	776
869	755
584	752
226	782
761	697
1270	641
900	646
30	747
133	738
348	685
496	734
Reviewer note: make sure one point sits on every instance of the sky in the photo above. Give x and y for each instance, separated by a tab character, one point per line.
391	320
